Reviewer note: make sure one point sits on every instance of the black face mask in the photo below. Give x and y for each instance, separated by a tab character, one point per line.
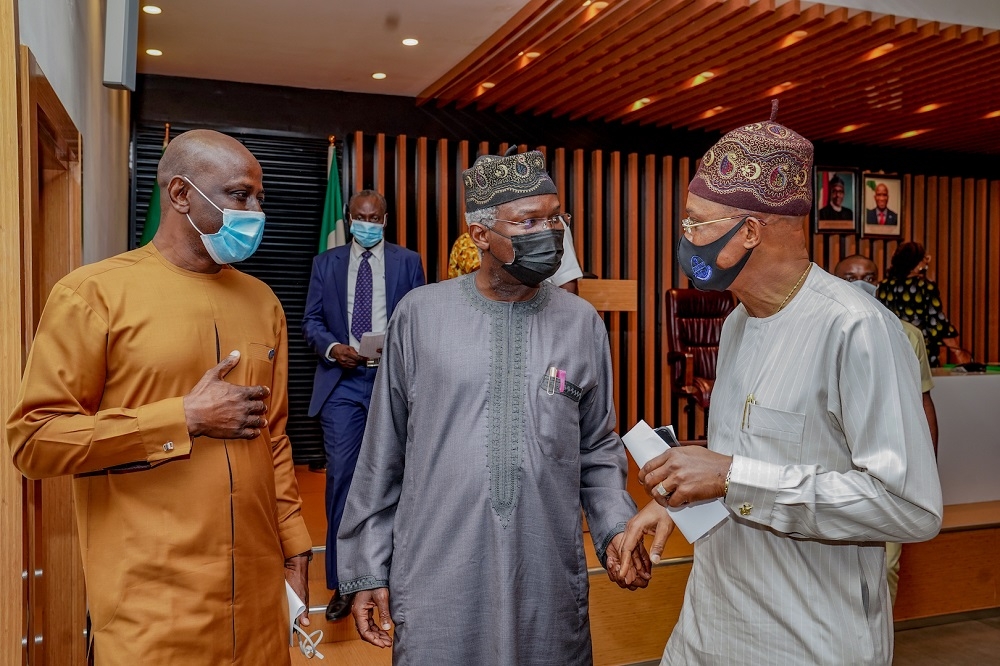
699	262
536	255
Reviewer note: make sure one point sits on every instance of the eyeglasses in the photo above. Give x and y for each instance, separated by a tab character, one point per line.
687	223
560	220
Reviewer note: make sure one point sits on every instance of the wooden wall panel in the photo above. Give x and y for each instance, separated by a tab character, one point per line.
979	349
993	283
579	209
614	270
401	190
421	179
596	236
379	184
631	272
647	299
442	209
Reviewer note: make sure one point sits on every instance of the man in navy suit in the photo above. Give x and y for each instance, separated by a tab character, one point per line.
354	289
881	214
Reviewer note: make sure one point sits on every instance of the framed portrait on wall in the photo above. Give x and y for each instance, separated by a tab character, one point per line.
835	200
882	197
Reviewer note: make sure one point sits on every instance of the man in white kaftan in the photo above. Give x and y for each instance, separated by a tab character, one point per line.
816	441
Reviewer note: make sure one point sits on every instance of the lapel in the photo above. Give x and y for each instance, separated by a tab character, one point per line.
340	263
391	273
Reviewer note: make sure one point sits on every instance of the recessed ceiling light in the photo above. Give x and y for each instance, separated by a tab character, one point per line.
587	3
600	4
639	103
793	38
780	88
929	107
152	9
911	134
992	114
409	41
850	128
154	52
880	51
702	78
714	111
378	76
488	84
532	54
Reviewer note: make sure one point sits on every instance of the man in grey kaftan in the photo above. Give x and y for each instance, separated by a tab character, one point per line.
491	423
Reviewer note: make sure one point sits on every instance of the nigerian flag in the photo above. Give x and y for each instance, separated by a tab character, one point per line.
152	222
331	232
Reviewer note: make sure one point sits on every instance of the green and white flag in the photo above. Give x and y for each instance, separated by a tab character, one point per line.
152	222
331	233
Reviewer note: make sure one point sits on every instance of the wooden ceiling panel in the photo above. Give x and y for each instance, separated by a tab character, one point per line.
829	67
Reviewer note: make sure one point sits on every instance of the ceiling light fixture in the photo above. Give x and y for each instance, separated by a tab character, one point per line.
639	103
152	9
992	114
702	78
488	84
409	41
879	51
911	134
154	52
587	3
780	88
714	111
600	4
532	54
929	107
793	38
850	128
378	76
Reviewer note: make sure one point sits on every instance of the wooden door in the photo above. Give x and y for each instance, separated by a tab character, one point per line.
51	248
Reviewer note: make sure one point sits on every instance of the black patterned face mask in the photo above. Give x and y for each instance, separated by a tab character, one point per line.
699	262
537	255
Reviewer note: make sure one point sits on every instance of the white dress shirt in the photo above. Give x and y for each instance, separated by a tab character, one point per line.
380	308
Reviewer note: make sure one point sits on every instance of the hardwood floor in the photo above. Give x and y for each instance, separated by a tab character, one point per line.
968	643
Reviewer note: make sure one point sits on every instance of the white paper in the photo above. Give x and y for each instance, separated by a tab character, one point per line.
371	345
295	608
693	520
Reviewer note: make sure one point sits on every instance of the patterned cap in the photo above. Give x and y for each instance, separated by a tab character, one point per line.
494	180
761	167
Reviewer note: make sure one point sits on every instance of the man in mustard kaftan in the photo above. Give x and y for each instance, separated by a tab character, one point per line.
185	495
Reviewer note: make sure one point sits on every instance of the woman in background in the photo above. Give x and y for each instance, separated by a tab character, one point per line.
908	293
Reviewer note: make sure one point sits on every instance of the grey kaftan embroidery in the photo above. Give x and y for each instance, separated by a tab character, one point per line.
467	494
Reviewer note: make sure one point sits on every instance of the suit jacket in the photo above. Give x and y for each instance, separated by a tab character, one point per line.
325	320
890	217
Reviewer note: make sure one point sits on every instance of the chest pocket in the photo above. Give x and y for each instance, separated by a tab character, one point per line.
774	435
556	420
261	364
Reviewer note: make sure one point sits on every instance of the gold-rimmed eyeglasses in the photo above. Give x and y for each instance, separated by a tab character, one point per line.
687	223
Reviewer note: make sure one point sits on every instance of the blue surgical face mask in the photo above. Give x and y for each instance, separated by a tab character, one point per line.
237	239
367	234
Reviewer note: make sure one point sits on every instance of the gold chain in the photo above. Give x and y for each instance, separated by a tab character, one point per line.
801	278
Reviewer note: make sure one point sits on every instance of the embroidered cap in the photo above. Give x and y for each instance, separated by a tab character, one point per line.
493	180
762	167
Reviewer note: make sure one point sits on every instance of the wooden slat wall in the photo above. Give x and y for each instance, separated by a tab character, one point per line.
626	210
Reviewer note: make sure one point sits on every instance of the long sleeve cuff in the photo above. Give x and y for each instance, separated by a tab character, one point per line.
163	429
753	488
295	538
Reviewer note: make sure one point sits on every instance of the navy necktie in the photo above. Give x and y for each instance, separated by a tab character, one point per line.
361	318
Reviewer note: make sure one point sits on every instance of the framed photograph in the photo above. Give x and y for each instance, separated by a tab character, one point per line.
835	200
882	196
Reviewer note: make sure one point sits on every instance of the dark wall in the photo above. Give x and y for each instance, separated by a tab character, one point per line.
319	113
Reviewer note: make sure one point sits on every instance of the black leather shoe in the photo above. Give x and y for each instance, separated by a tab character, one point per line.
339	607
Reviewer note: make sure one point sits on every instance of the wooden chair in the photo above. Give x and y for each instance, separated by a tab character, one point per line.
694	324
